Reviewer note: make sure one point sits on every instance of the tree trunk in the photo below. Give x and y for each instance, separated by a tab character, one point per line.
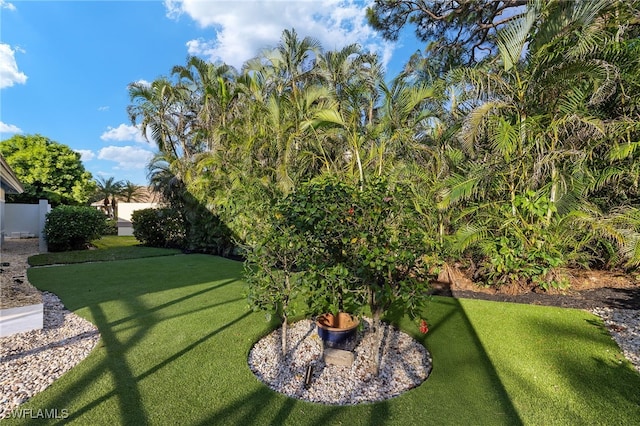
107	206
376	312
285	307
360	171
114	207
283	336
377	341
554	180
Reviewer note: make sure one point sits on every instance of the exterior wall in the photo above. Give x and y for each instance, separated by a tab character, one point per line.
22	220
1	216
9	183
124	215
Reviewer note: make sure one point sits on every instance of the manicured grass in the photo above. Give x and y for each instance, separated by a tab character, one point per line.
108	248
111	241
176	333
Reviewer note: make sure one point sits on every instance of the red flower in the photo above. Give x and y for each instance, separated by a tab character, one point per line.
424	327
351	211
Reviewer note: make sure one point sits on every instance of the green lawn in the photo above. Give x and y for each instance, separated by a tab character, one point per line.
176	332
109	248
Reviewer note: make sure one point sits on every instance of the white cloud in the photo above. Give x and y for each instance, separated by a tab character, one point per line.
86	154
103	108
9	74
9	128
242	28
127	157
7	5
123	133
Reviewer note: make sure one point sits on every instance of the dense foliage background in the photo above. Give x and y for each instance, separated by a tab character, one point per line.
519	159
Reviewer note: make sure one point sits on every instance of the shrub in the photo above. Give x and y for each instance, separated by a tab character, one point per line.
72	227
111	227
158	227
206	233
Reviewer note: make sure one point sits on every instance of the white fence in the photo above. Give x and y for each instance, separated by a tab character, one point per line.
27	220
24	220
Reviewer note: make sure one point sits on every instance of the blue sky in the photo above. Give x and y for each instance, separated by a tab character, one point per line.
65	66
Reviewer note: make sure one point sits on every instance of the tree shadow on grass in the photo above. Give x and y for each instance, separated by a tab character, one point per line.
146	312
463	382
81	285
125	388
456	349
585	360
246	409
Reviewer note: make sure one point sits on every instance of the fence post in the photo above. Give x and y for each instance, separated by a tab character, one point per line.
43	209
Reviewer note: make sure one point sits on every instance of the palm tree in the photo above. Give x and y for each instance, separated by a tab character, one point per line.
108	190
283	92
530	134
214	95
347	124
132	193
165	180
168	110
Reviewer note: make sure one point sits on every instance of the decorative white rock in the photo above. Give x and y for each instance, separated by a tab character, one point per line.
404	364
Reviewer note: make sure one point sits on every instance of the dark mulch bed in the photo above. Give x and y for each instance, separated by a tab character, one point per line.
589	289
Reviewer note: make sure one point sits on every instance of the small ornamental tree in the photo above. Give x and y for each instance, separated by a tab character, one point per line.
348	248
364	248
270	273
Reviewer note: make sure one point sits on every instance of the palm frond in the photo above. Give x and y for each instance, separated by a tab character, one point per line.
458	188
621	151
476	122
513	37
468	235
505	137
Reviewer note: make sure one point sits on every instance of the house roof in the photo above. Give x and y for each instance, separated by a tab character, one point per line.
8	180
145	195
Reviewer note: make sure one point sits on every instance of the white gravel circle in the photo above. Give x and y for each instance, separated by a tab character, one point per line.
404	364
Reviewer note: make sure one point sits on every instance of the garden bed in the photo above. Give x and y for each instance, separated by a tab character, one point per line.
588	290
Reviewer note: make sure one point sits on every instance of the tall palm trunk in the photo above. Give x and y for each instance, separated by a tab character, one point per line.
554	179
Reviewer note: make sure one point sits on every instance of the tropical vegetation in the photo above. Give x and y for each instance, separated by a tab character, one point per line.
519	163
109	191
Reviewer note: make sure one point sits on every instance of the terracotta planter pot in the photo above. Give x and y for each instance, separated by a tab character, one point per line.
336	329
